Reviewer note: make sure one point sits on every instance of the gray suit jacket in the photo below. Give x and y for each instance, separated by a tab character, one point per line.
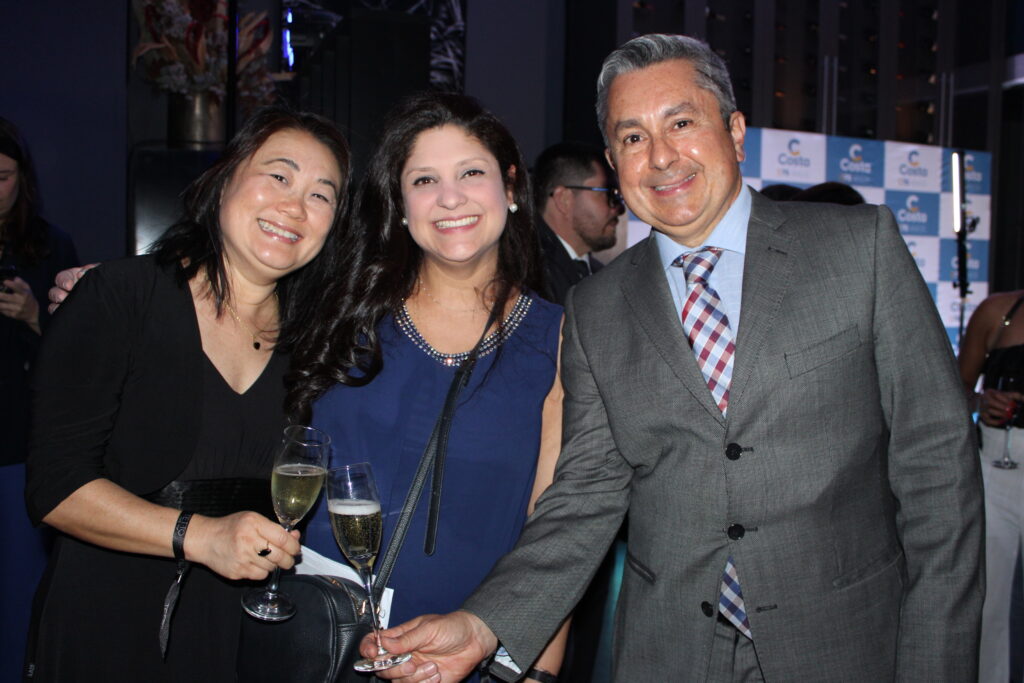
847	457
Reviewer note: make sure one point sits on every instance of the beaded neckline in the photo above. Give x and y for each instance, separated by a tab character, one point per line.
493	340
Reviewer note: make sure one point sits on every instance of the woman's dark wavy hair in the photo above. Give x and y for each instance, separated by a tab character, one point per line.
381	259
21	232
196	242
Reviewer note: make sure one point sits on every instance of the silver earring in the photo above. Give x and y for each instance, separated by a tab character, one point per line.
513	207
405	221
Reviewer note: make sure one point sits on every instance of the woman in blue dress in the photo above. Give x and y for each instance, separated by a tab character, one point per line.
441	237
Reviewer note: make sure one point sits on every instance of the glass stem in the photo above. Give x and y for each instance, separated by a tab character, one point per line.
272	586
367	577
276	574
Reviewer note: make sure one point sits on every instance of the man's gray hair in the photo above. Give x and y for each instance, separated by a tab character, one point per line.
653	48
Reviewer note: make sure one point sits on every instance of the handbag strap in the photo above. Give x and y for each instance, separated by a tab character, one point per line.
433	455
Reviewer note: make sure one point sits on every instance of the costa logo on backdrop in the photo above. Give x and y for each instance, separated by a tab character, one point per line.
912	166
971	174
911	212
793	157
916	212
977	261
918	258
972	263
854	161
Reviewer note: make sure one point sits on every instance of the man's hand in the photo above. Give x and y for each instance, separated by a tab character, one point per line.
64	283
445	648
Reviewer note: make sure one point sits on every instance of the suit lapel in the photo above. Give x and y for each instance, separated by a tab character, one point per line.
767	276
648	296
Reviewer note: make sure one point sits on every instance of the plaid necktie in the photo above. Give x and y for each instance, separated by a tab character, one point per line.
706	325
707	329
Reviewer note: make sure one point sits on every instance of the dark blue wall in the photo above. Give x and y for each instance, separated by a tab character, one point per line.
64	83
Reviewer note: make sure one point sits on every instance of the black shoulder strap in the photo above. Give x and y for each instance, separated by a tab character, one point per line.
1005	322
1013	309
433	458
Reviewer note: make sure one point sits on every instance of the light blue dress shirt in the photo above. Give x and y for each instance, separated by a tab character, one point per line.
730	235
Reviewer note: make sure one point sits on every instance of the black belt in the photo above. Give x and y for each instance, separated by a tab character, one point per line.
213	498
216	497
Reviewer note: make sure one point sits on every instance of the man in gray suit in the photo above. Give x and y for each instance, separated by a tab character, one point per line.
767	389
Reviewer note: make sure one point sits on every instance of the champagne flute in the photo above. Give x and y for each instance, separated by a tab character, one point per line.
295	483
354	507
1008	383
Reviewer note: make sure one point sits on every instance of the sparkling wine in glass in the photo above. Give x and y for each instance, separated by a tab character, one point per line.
1008	383
354	508
295	483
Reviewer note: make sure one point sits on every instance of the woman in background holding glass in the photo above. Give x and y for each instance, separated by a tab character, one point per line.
993	346
159	394
441	246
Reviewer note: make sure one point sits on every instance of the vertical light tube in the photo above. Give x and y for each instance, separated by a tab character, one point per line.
957	167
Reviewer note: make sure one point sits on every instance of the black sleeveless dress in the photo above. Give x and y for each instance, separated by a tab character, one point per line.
103	625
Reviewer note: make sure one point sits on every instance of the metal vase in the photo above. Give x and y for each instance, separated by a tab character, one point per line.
194	121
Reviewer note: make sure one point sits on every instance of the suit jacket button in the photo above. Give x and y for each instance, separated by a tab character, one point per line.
735	531
707	609
733	451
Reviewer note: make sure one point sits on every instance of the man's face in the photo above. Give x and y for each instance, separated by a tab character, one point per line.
678	164
594	218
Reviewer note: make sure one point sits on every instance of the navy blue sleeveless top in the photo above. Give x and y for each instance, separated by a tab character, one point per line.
492	450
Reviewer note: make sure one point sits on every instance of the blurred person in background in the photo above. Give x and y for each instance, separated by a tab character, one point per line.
31	253
993	348
578	205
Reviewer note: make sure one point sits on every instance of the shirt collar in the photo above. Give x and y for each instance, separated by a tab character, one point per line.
570	250
730	234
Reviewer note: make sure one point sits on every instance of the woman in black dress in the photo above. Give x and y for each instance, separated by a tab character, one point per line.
159	393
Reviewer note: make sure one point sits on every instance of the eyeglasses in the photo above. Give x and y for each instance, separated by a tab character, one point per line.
614	197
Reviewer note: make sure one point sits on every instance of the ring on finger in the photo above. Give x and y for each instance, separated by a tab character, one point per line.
265	551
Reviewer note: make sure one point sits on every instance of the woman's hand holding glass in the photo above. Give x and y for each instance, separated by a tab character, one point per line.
995	407
231	545
295	485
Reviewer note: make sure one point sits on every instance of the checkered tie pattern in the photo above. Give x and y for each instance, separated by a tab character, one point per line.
730	600
707	328
706	325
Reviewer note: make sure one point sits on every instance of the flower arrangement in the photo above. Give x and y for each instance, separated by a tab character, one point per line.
183	44
183	48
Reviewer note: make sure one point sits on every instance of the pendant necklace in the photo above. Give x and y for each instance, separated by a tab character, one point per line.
256	344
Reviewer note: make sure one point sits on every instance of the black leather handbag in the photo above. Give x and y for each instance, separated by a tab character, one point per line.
321	642
318	645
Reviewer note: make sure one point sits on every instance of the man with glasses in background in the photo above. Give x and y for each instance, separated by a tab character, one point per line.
579	205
